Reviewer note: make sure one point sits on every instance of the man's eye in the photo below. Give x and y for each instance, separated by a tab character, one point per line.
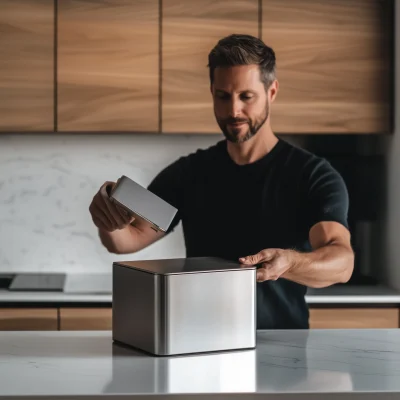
247	97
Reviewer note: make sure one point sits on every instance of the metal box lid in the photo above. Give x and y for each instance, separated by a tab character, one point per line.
143	203
191	265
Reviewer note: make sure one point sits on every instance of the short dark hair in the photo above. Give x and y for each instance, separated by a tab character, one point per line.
238	49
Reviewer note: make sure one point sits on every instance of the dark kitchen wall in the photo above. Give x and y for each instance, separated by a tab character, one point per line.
361	160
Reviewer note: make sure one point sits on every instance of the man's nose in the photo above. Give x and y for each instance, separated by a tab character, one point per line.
235	109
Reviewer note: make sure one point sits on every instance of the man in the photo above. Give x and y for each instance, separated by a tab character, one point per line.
252	197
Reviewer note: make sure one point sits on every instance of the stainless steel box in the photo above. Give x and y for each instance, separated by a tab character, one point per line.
143	204
185	305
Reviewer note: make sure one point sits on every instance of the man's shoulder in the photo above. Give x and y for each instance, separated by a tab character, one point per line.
298	155
318	186
304	161
308	170
205	152
201	157
188	167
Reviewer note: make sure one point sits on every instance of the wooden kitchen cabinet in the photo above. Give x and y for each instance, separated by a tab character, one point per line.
80	319
189	31
354	318
333	64
108	65
26	65
28	319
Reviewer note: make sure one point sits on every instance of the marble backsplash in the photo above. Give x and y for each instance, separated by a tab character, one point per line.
47	182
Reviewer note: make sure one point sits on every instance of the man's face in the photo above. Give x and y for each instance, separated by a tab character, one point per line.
241	103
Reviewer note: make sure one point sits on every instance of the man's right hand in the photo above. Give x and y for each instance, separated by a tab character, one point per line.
105	214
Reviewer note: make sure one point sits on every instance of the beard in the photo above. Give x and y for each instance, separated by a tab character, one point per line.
235	135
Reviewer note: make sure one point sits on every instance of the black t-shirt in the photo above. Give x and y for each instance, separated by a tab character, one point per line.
229	210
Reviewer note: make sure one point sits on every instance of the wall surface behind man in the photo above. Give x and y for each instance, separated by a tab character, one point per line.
47	182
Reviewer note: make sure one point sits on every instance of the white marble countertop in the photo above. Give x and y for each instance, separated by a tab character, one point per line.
88	365
330	295
46	298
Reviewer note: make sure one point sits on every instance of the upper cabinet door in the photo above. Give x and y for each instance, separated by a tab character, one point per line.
333	65
190	29
26	65
108	64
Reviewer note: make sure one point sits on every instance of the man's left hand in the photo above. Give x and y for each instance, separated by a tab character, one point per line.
273	263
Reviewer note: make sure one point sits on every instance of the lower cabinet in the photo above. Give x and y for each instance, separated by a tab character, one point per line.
28	319
100	318
85	319
354	318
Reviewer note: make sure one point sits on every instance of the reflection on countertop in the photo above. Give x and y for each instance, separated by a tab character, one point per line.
332	362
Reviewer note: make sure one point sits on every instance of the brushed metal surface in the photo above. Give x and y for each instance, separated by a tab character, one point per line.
184	265
135	314
211	311
172	314
143	204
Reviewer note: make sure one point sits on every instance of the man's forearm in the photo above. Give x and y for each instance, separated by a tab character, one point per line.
119	241
322	267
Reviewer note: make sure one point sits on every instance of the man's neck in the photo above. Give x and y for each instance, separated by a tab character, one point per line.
253	149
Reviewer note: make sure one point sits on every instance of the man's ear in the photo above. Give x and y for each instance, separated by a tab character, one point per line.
273	90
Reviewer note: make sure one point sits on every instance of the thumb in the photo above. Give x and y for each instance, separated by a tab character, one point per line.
262	256
106	189
252	259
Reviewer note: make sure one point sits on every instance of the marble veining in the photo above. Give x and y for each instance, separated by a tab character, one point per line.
88	363
47	183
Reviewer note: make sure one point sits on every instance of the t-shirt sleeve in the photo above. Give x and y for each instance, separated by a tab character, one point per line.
168	185
327	197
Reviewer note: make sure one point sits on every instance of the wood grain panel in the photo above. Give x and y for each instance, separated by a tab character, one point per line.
354	318
85	319
28	319
332	64
190	30
108	63
26	65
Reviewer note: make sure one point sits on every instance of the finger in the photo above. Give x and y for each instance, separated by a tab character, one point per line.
105	191
112	213
99	223
249	260
107	188
263	255
119	220
120	216
102	211
260	275
126	216
99	213
267	272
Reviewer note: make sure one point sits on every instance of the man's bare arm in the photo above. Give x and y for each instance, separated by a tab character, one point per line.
130	239
330	262
118	231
